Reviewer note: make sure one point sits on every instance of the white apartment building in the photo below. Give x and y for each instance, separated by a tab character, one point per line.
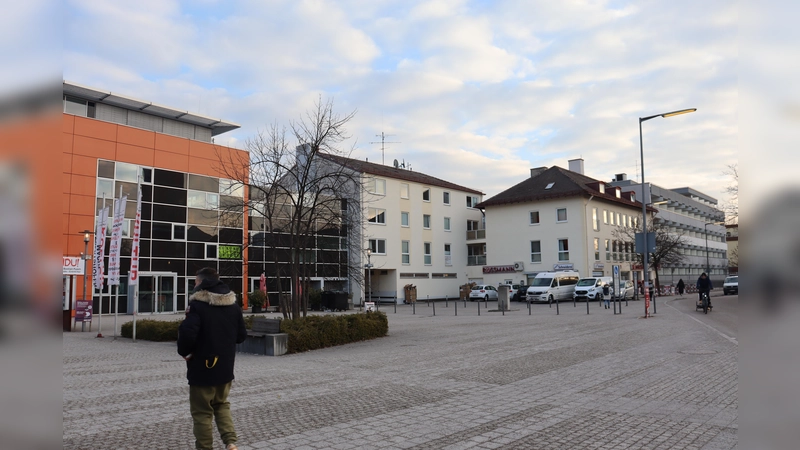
416	228
558	219
696	216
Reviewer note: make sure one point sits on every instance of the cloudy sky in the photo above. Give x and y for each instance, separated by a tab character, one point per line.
476	92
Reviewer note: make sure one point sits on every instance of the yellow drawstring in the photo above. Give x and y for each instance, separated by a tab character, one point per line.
212	364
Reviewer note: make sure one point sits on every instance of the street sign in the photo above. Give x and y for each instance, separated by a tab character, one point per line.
73	265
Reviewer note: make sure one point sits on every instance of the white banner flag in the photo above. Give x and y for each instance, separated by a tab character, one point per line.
116	240
133	275
99	248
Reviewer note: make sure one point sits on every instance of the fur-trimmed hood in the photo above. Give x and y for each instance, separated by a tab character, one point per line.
214	299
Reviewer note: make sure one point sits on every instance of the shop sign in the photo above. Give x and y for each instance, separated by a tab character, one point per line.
73	265
564	266
83	310
499	269
599	266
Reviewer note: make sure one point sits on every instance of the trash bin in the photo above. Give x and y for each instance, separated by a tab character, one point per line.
410	292
339	301
327	300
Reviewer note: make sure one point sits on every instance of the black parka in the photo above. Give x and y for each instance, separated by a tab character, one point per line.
212	328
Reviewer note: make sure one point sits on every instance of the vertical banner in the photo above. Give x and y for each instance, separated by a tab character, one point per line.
133	275
99	248
116	240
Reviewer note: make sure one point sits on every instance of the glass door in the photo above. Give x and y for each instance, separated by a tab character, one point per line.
157	293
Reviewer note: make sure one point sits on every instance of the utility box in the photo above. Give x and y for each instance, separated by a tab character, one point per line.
410	292
503	297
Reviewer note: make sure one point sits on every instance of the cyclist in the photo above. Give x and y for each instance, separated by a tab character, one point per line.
704	285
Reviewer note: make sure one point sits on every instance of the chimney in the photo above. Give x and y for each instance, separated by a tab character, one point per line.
621	177
537	170
576	165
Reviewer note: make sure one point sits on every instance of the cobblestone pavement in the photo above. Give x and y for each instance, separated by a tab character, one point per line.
513	381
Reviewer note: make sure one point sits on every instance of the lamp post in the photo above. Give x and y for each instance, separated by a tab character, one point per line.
369	273
644	202
705	229
86	259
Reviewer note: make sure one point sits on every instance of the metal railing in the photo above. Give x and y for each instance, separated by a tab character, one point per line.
476	260
476	234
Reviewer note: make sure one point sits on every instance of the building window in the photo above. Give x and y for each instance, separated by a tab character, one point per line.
426	195
611	218
563	249
446	198
619	219
597	249
427	253
202	200
605	216
446	224
178	232
376	186
405	252
595	220
536	251
472	201
448	258
534	218
231	188
376	215
403	190
426	221
561	215
404	219
377	246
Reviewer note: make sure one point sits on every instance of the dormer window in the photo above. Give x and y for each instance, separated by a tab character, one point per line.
617	193
602	188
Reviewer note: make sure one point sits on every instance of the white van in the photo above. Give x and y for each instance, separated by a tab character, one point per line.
591	288
551	286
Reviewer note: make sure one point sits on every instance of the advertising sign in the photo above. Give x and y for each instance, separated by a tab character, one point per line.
83	310
133	274
616	280
99	248
116	240
564	266
73	265
369	306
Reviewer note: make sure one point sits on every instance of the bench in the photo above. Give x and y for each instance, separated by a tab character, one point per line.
265	338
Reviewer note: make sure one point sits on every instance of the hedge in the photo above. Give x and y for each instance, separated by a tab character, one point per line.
313	332
152	330
305	333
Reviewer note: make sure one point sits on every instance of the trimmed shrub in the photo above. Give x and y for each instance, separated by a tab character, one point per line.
313	332
152	330
257	298
248	321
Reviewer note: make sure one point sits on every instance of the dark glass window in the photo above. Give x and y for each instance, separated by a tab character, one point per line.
145	228
203	217
195	250
231	204
230	235
230	269
168	265
179	232
211	251
169	178
162	231
202	234
105	169
147	175
169	213
147	193
169	196
144	249
169	249
255	254
202	183
193	265
126	188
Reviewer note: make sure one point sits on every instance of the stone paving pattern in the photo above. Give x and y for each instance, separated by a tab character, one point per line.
513	381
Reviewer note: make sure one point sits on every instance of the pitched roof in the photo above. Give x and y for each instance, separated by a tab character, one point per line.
565	183
400	174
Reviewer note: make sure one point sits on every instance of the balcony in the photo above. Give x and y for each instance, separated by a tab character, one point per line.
476	234
476	260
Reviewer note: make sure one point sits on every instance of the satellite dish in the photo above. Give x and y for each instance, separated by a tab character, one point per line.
396	164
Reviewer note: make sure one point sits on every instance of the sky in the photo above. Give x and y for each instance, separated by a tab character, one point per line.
473	92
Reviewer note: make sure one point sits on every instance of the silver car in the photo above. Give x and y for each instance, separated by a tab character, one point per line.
483	292
627	289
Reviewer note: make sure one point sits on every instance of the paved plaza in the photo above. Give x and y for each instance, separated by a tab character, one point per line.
513	381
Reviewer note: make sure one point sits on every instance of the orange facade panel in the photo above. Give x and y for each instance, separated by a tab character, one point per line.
66	183
82	204
84	165
95	128
98	148
66	162
171	161
82	185
136	136
68	123
66	142
172	144
134	154
202	166
202	150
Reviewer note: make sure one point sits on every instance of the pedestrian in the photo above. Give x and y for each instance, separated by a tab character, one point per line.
681	286
207	340
606	295
704	285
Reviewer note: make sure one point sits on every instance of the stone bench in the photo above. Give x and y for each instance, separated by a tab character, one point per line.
265	338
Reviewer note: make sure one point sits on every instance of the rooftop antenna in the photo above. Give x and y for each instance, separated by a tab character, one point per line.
383	142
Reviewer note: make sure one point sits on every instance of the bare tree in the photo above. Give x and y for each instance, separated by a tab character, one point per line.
303	205
731	207
666	253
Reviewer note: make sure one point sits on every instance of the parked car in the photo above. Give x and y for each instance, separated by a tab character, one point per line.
519	295
591	288
551	286
731	285
626	291
512	290
483	292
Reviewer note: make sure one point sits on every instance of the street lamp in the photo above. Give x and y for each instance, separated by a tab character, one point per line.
86	259
369	273
644	203
705	228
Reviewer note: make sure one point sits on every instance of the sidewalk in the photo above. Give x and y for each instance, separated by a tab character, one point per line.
519	380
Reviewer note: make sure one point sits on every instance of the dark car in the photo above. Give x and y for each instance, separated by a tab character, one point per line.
519	294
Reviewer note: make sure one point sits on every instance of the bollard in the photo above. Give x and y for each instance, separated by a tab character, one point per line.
428	299
557	312
479	308
575	302
529	307
445	302
486	302
455	304
434	307
587	305
413	307
395	306
654	305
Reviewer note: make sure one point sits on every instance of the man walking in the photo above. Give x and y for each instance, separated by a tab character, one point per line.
207	340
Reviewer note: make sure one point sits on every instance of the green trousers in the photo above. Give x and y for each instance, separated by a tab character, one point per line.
207	404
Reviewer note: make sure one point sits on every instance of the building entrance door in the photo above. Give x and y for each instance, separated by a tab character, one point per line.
157	293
